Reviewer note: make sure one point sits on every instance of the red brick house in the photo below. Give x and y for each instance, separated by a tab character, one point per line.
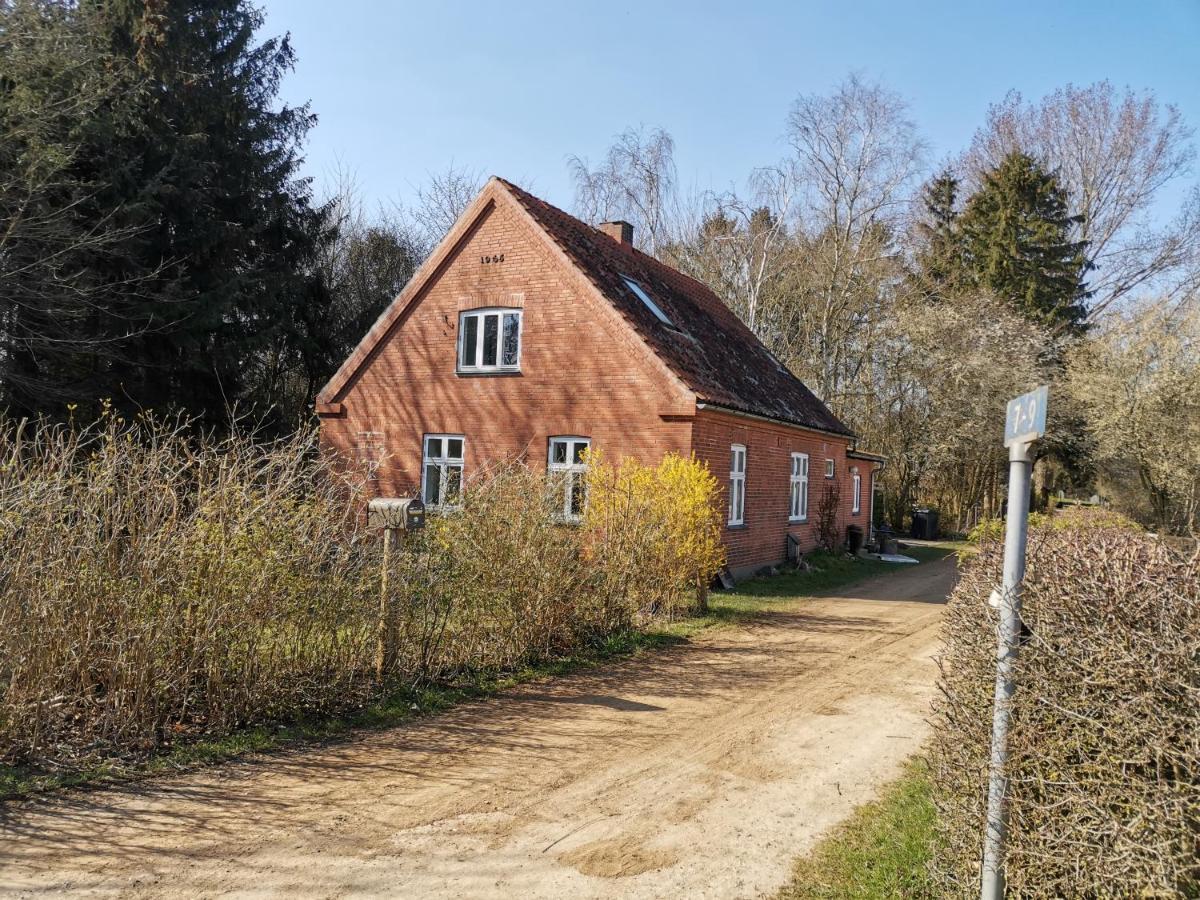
528	332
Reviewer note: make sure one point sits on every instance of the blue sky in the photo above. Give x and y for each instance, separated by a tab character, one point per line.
402	89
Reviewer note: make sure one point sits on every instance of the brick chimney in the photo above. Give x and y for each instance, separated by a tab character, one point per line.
621	232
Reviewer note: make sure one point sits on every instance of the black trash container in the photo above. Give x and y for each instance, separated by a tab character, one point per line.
925	524
854	538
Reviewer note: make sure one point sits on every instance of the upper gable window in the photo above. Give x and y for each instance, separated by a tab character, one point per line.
641	294
489	340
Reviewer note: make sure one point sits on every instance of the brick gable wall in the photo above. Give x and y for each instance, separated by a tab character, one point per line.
582	371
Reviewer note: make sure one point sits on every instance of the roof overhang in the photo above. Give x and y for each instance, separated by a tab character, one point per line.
774	420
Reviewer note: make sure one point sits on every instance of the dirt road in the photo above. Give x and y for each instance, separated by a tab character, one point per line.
700	771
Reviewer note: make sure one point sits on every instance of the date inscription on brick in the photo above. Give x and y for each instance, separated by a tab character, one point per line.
491	259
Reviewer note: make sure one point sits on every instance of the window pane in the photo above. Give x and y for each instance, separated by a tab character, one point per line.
580	449
433	483
578	488
454	448
511	326
453	483
433	447
470	337
558	451
491	327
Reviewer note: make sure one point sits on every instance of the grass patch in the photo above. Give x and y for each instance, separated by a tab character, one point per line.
882	851
832	571
743	604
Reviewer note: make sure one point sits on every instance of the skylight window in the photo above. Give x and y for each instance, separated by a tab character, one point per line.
641	294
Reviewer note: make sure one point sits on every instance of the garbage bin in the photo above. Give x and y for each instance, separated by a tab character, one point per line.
854	538
925	524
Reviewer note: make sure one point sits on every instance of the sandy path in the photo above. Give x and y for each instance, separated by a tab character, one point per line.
700	771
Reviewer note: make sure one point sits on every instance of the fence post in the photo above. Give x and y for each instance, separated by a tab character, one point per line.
385	648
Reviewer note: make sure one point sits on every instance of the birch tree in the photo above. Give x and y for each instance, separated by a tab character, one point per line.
855	157
636	181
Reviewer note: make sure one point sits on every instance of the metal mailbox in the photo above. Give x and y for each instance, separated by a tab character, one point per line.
403	513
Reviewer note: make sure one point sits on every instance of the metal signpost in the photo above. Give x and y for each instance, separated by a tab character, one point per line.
1025	423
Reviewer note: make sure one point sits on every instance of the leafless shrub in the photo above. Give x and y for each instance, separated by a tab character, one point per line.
828	535
1105	738
156	587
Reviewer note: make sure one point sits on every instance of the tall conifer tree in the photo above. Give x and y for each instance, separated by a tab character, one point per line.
1016	241
202	161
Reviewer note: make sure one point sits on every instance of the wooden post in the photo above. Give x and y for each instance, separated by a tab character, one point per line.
385	648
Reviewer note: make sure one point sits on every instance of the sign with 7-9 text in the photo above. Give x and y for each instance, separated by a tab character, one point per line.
1026	420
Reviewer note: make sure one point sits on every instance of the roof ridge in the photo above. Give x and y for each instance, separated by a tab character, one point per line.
723	362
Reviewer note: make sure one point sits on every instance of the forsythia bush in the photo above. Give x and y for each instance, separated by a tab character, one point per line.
156	586
653	534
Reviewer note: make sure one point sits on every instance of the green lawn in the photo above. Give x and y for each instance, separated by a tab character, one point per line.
883	850
725	608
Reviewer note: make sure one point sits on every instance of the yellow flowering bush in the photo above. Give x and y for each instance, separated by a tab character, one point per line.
653	533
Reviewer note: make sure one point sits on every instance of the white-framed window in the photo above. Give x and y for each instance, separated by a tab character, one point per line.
442	470
567	470
856	490
829	468
489	340
798	509
737	484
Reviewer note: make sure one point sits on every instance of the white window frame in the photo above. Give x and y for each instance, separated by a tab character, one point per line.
856	481
798	489
737	484
829	468
569	471
444	463
479	315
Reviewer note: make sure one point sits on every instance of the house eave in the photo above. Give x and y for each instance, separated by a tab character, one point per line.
774	420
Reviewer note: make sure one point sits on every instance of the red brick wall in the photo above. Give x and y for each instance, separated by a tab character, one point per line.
582	371
769	448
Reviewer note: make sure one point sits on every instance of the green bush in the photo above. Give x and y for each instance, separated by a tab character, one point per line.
989	530
1075	518
1104	745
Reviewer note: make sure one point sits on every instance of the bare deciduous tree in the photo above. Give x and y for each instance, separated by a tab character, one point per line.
1113	152
440	201
856	158
56	76
1138	378
636	181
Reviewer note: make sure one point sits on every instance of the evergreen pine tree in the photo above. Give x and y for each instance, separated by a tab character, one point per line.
1016	242
203	164
939	262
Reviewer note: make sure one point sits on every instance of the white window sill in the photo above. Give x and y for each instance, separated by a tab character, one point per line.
803	521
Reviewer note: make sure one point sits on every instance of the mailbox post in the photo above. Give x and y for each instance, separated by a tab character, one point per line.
392	514
1025	423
